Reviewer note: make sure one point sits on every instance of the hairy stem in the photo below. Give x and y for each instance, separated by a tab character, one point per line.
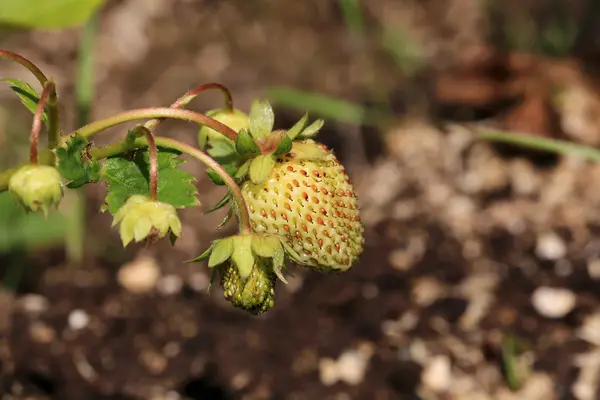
191	95
37	122
242	208
158	112
9	55
153	165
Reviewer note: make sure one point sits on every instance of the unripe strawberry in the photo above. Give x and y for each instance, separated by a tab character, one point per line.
144	219
234	119
255	294
37	187
309	201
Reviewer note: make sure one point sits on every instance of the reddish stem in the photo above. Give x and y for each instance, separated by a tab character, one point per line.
191	95
26	63
37	122
153	165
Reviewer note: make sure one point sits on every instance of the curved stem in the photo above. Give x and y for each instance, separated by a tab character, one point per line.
37	122
158	112
153	165
9	55
236	192
191	95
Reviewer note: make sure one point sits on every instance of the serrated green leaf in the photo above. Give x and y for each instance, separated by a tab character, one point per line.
312	130
261	167
76	164
245	145
242	255
26	93
223	151
222	250
265	246
128	175
262	119
298	127
284	146
47	14
243	170
203	256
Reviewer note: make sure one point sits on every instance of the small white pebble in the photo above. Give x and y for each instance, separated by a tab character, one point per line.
328	371
78	319
550	246
553	302
199	281
437	374
169	285
140	275
593	268
352	366
34	303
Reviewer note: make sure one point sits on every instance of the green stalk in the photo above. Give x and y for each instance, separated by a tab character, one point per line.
157	112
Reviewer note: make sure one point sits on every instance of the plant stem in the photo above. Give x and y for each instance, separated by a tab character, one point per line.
37	122
158	112
242	208
191	95
9	55
153	165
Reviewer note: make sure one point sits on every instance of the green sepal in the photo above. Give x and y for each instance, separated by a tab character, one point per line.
295	130
284	146
278	261
312	130
243	170
265	246
226	219
245	144
76	164
262	119
203	256
242	255
231	169
222	203
27	94
222	250
261	167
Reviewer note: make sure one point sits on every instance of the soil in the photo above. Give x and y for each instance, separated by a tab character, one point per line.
469	245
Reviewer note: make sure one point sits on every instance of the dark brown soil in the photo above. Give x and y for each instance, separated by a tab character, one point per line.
460	234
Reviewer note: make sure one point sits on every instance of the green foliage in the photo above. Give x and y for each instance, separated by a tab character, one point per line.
245	144
125	176
26	93
47	14
261	167
76	164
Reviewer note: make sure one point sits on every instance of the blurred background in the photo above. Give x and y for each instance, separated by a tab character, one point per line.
481	271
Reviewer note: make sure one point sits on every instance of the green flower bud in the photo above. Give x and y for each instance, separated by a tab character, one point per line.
235	119
144	219
255	294
37	187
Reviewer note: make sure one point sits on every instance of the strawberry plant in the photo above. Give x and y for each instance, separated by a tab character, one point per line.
291	197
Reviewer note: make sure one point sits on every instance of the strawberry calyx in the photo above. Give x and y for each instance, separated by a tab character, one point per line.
244	251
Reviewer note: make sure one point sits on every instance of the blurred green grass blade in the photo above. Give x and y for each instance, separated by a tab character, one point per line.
543	144
19	229
353	16
47	14
325	106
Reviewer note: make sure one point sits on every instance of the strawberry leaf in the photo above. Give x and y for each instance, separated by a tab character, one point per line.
245	145
76	164
262	119
261	167
26	93
125	176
